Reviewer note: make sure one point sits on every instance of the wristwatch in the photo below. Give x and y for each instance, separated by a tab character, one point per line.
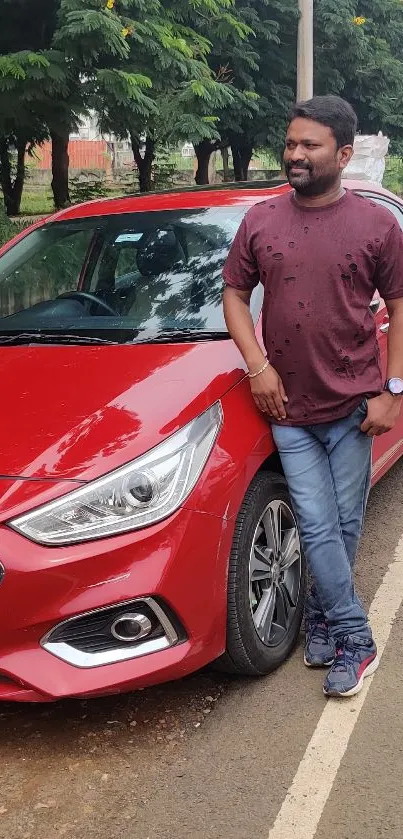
394	386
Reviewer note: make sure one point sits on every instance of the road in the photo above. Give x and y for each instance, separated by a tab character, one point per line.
212	757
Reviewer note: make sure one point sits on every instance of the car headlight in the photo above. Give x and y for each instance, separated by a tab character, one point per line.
143	492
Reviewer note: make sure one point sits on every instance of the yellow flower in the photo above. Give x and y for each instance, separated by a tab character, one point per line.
110	4
359	21
127	30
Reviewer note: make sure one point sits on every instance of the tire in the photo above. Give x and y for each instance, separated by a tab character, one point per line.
254	646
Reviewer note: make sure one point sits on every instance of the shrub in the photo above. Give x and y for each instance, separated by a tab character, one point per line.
8	228
87	187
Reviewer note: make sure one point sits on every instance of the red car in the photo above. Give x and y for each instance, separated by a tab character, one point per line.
145	525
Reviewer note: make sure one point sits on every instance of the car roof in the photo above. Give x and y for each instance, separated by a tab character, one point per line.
217	195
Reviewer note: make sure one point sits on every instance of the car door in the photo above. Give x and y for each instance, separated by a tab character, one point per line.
389	447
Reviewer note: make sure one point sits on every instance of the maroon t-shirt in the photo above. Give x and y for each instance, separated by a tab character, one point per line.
320	269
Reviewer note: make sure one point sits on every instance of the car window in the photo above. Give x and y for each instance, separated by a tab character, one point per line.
166	269
145	271
45	264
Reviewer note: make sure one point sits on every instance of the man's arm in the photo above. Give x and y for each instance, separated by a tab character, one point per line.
384	410
267	387
395	338
240	326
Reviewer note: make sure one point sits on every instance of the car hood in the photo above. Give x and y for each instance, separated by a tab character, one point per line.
77	412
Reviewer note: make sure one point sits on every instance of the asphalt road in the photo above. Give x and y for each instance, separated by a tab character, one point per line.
219	758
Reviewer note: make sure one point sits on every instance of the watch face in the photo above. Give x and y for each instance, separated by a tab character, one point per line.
395	386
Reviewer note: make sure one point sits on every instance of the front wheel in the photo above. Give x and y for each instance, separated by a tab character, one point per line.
266	581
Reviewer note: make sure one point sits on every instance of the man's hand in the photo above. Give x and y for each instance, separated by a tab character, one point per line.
383	413
269	394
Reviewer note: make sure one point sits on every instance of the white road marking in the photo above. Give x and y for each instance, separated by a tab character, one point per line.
306	798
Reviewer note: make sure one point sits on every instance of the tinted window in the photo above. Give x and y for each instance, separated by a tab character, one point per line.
46	263
149	271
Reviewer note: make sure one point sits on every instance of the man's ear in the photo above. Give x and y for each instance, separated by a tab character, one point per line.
345	155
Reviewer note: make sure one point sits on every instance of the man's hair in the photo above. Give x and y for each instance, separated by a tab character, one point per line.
332	111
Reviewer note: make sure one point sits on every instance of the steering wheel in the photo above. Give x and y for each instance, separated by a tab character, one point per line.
91	298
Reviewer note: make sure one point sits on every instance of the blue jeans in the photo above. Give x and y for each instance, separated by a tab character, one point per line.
328	470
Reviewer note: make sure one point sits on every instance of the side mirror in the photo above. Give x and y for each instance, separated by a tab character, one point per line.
374	306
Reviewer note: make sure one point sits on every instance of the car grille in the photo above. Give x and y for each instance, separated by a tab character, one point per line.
91	633
103	636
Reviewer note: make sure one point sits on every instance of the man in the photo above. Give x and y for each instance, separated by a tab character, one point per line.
321	252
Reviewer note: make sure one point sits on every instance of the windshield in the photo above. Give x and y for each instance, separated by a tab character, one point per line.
120	277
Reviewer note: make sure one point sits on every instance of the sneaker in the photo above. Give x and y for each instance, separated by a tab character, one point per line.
355	659
319	646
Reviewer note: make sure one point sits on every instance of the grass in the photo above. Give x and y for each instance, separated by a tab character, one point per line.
36	202
393	178
8	228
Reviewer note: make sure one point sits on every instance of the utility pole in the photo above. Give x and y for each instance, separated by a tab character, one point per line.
305	51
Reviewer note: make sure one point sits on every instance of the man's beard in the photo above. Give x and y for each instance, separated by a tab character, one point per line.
309	184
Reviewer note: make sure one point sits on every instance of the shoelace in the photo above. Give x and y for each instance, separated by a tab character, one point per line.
319	630
344	657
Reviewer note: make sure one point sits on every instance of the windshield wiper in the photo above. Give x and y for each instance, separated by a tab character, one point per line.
182	335
171	336
48	338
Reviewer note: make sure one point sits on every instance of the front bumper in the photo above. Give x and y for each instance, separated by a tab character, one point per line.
180	563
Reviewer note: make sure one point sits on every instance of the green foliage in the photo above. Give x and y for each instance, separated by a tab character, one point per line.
217	72
364	62
264	65
36	202
164	170
8	228
87	187
170	48
393	178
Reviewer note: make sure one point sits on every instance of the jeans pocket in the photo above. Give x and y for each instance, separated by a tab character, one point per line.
361	414
363	407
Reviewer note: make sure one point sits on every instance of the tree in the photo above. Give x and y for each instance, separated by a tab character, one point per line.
260	71
360	56
220	73
73	53
230	48
25	76
93	41
271	73
170	50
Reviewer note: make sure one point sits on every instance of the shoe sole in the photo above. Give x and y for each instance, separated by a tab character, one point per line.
360	684
318	666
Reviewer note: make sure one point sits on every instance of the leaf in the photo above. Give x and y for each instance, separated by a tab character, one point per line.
198	89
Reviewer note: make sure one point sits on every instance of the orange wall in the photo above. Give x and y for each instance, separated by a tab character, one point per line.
83	154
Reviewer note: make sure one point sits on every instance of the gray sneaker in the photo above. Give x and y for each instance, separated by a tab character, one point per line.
319	646
355	659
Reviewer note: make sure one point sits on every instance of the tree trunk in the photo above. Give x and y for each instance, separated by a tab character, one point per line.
212	168
20	174
5	173
12	191
242	156
203	152
60	169
225	164
246	156
144	164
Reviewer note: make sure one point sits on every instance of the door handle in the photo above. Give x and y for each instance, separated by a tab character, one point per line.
384	328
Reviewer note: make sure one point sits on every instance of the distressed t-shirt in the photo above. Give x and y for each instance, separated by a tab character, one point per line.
320	269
